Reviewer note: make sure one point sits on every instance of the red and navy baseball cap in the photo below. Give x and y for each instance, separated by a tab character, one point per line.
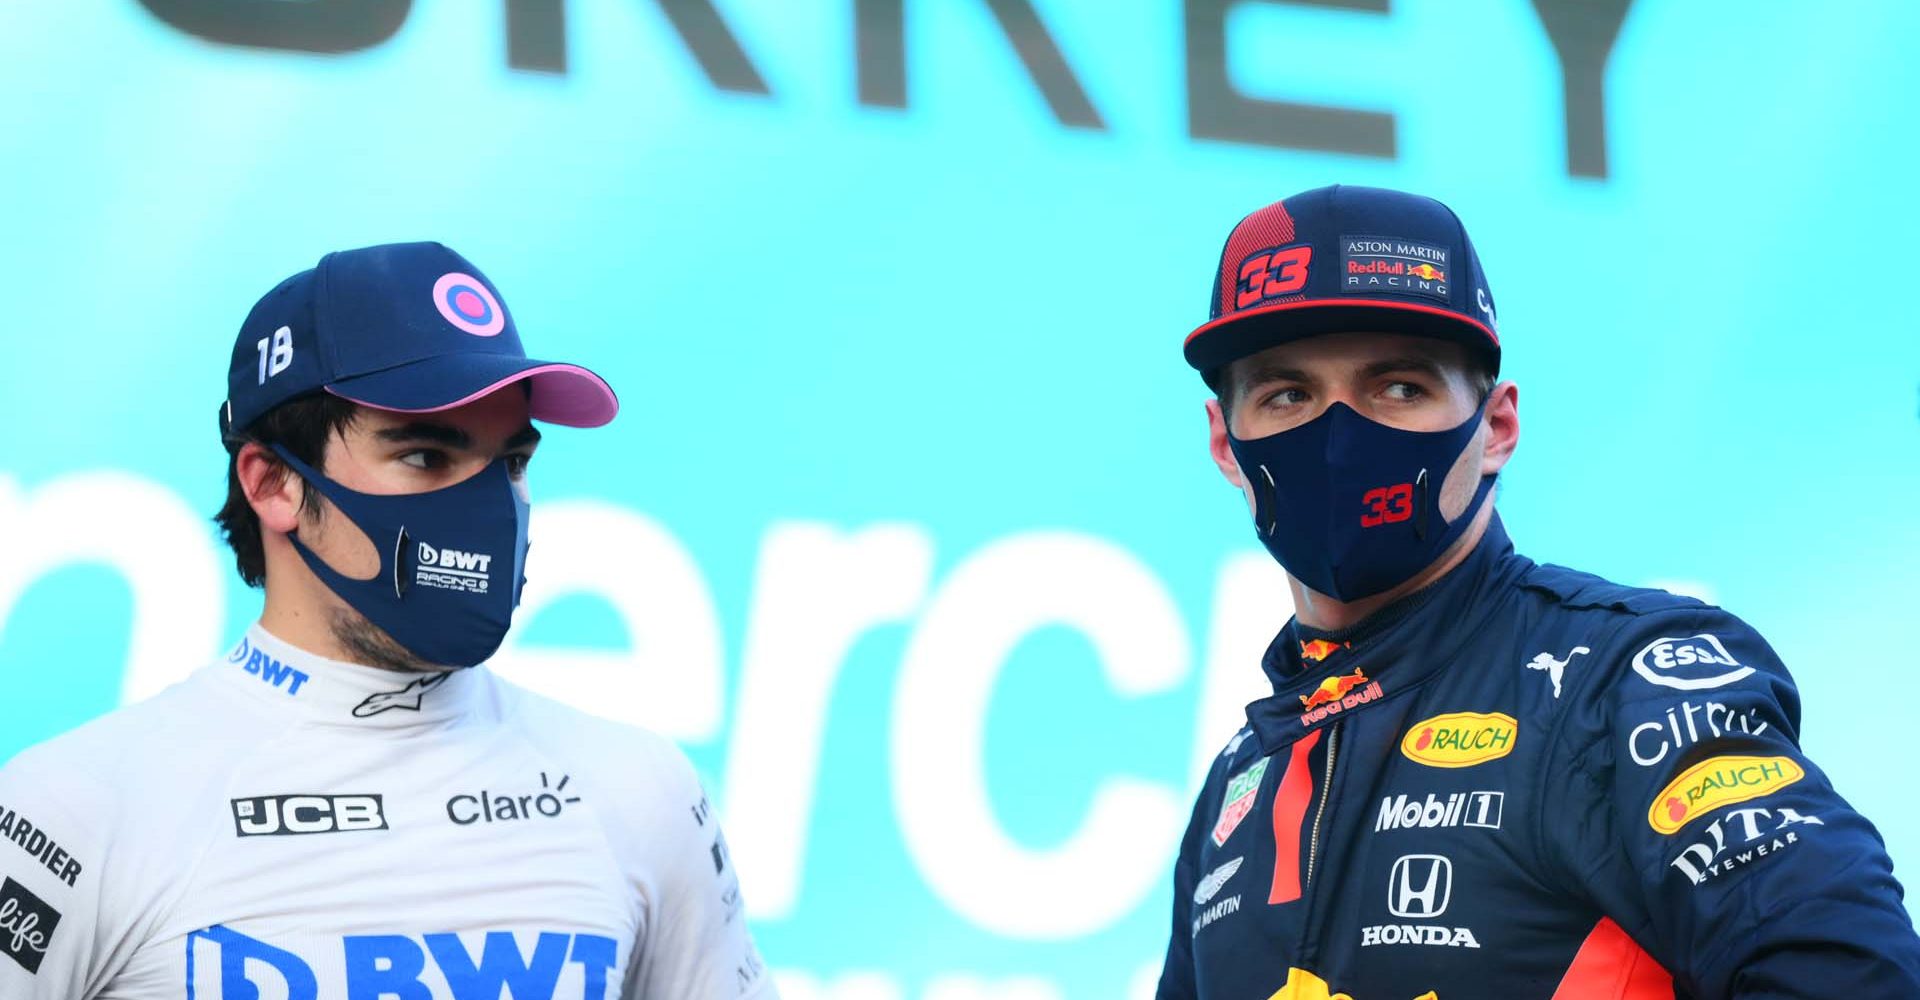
1345	259
405	327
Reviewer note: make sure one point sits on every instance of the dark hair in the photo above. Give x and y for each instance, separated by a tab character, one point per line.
302	426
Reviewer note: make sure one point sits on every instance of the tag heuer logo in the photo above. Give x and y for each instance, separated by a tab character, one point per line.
1242	790
26	925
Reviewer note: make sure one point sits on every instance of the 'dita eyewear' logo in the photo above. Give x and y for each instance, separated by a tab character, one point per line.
1720	781
1460	739
467	303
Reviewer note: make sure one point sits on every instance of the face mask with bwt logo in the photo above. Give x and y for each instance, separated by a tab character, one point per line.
452	561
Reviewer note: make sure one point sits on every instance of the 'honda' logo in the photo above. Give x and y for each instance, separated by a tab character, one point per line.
1421	886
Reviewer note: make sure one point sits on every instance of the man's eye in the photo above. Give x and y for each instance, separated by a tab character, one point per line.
1405	390
425	458
1285	397
517	465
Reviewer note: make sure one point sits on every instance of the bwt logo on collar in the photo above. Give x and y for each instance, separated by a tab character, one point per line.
452	569
269	670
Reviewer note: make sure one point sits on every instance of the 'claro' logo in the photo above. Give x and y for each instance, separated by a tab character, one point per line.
1460	739
1716	782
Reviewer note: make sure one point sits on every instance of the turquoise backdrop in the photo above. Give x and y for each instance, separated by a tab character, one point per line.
907	531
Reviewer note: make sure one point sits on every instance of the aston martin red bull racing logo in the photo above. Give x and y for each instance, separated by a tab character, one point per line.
1370	264
1336	695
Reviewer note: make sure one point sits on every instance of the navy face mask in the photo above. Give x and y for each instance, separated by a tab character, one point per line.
451	561
1351	507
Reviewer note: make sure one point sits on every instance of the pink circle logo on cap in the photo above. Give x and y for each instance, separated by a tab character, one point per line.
466	303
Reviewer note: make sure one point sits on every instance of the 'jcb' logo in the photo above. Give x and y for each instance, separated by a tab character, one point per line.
1279	271
283	815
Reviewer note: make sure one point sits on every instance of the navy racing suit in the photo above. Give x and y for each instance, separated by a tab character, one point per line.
1527	782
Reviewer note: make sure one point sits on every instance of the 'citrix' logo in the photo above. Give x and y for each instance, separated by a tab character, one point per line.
223	963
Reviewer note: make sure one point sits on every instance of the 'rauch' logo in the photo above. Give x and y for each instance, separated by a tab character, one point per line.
1716	782
1460	739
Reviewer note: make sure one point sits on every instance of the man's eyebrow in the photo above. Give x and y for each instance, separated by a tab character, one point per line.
427	432
1426	366
1262	374
525	436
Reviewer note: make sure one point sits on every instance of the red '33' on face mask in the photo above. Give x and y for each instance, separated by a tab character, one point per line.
1350	506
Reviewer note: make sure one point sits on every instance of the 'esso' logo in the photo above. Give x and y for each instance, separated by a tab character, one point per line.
1701	655
467	303
429	556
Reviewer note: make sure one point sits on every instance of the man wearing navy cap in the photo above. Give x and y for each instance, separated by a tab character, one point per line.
1478	776
349	804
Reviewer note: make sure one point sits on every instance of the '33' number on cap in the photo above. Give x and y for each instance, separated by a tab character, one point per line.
1273	272
277	355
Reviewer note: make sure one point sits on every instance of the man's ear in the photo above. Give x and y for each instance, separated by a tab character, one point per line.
1218	447
273	490
1503	428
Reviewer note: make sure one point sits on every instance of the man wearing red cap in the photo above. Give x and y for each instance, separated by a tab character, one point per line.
349	804
1478	776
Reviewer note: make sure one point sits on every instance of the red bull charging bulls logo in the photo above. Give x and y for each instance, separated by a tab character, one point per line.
1336	695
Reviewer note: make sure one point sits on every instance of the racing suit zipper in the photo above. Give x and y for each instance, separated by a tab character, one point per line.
1326	792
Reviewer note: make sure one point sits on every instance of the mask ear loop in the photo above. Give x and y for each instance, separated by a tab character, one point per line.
1263	497
399	564
1420	506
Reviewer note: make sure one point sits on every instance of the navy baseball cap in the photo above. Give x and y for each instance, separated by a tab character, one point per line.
405	327
1342	259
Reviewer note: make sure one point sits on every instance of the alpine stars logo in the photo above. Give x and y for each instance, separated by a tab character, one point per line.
1420	888
1210	887
408	697
452	569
